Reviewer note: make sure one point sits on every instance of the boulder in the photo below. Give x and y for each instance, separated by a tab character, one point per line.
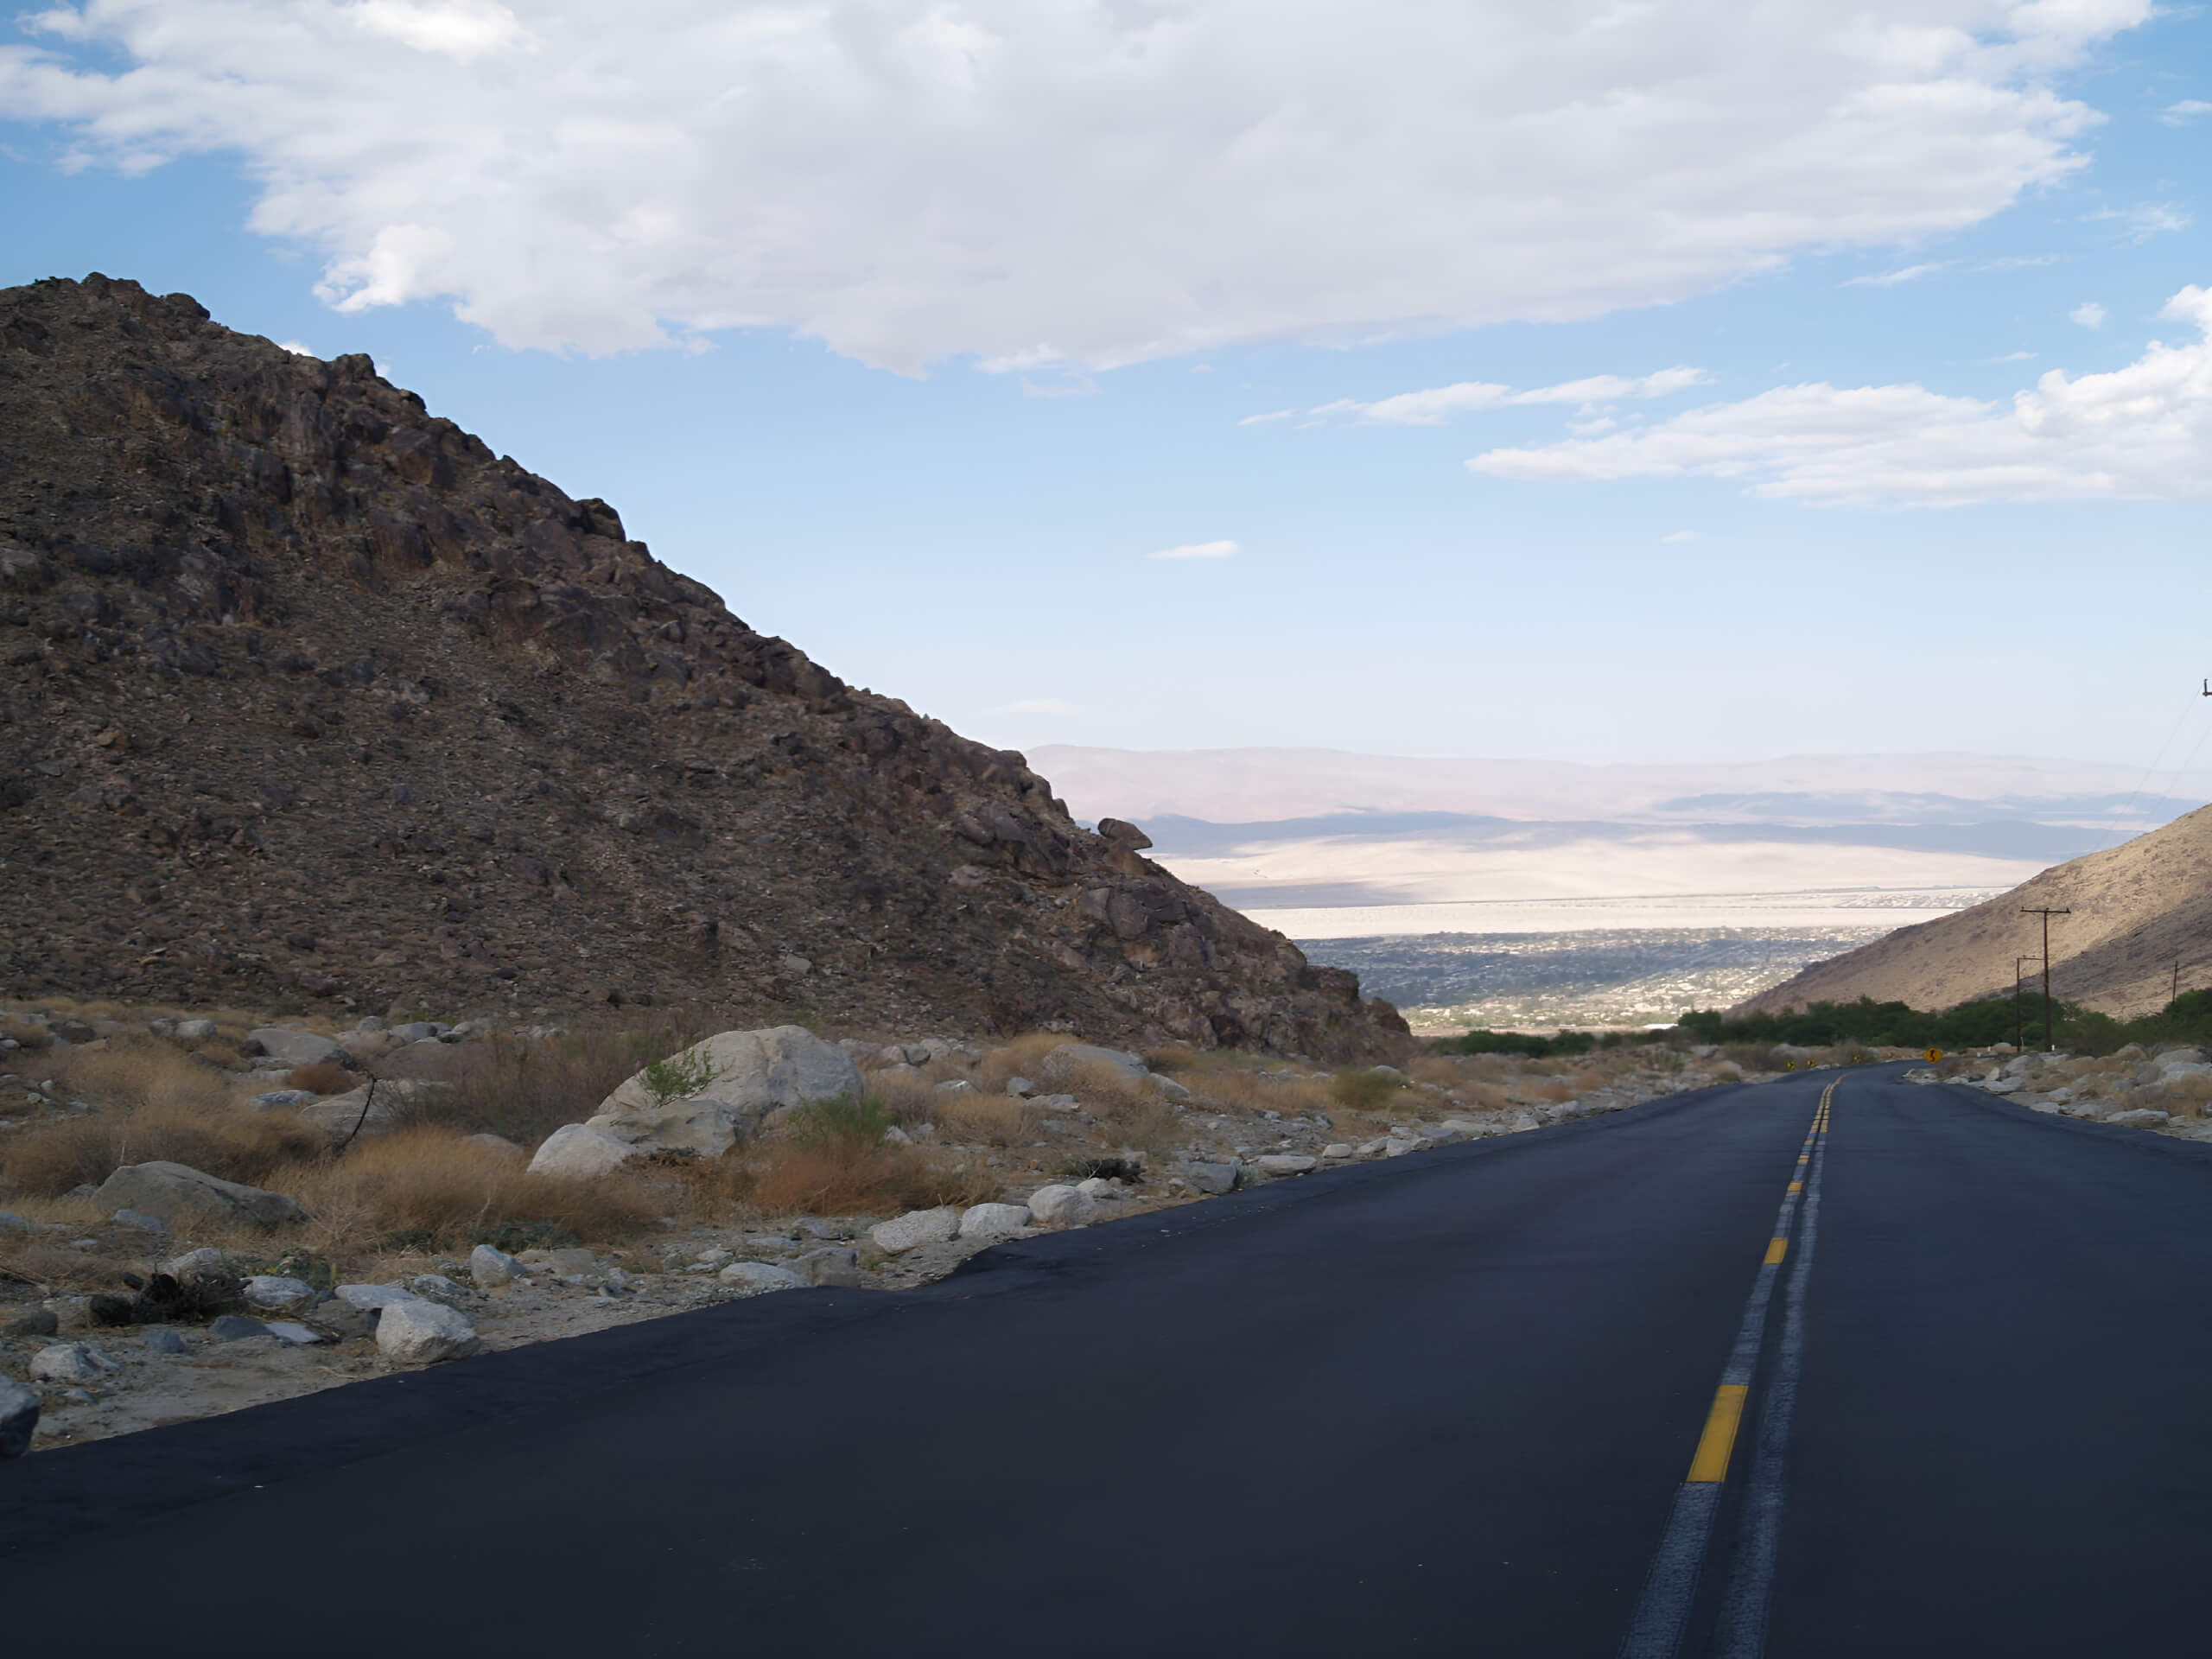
374	1108
19	1409
1062	1206
1072	1061
139	1219
1275	1165
72	1364
13	1223
194	1263
1212	1179
2143	1118
492	1269
835	1268
299	1047
992	1220
418	1031
760	1277
236	1327
577	1152
1337	1150
1020	1088
915	1228
415	1332
428	1061
367	1297
1099	1190
752	1073
342	1320
292	1334
195	1031
279	1100
161	1342
39	1322
499	1143
1170	1090
174	1192
277	1294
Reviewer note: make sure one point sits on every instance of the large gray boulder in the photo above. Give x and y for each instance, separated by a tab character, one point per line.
915	1228
420	1333
752	1073
576	1151
19	1409
174	1192
300	1047
1062	1206
1072	1061
992	1220
377	1108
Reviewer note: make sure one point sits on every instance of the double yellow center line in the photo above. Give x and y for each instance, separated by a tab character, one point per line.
1662	1612
1717	1443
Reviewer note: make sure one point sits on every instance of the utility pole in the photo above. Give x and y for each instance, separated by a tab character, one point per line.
2049	1030
2176	997
2019	1029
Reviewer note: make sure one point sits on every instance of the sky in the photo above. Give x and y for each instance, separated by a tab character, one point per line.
1593	380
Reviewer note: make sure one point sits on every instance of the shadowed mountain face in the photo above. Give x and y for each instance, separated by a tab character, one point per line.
306	690
2138	910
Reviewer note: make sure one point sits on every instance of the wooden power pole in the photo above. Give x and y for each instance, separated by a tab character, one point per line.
2020	1027
2049	1030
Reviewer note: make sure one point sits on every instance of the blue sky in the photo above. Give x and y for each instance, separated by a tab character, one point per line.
777	367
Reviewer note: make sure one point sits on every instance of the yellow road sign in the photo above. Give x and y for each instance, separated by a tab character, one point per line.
1933	1055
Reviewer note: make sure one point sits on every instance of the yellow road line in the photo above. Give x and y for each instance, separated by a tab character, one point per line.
1719	1441
1775	1248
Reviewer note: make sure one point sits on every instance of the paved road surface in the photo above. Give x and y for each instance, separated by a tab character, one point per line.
1440	1406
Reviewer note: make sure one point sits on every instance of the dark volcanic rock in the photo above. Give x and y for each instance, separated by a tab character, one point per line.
305	692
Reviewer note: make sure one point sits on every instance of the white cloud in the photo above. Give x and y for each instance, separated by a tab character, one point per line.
1438	403
1682	536
2146	219
2181	114
1093	181
2088	314
2015	357
1892	278
1272	414
1040	706
2140	433
295	347
1198	550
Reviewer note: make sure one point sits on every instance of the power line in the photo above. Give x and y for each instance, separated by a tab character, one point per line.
2050	1030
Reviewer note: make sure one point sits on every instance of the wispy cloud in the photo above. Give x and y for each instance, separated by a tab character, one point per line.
1681	535
1892	278
2181	114
1198	550
2018	262
1440	404
1272	414
2140	433
2089	315
2145	219
2015	357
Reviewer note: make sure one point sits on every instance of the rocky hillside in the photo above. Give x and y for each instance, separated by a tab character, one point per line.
305	690
2137	909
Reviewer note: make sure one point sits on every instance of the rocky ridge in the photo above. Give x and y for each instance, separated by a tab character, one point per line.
305	691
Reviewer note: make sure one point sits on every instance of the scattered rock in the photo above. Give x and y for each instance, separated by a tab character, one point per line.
173	1191
72	1364
292	1334
374	1108
139	1219
1020	1088
752	1074
279	1100
420	1333
39	1322
342	1320
19	1410
2143	1118
195	1031
1275	1165
495	1143
300	1047
992	1220
578	1153
435	1284
916	1227
1061	1206
162	1342
1170	1090
1337	1150
193	1263
369	1298
493	1269
12	1223
277	1294
761	1276
1070	1061
1099	1190
1213	1179
832	1269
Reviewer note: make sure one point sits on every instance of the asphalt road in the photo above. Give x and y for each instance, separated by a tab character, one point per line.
1441	1405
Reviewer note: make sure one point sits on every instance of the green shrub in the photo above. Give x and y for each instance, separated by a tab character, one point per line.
1365	1091
846	1120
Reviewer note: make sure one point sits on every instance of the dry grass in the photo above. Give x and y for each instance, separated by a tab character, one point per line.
526	1090
133	1075
1482	1096
1366	1091
986	1120
324	1078
910	1101
1024	1057
1233	1087
29	1033
844	1178
230	1141
427	1187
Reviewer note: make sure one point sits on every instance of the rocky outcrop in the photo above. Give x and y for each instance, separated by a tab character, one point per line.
176	1193
741	1077
306	693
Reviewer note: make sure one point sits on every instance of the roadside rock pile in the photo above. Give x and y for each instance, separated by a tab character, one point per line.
2167	1089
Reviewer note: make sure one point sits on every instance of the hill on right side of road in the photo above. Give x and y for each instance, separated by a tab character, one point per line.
2137	910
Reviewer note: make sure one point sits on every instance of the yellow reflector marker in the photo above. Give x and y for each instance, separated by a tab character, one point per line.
1775	1247
1796	1186
1711	1463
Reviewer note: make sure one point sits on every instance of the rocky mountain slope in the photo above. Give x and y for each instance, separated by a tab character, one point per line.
304	689
2139	908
